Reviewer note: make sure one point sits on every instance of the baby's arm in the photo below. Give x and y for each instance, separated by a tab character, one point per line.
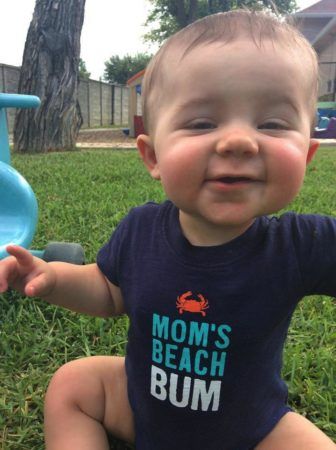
82	289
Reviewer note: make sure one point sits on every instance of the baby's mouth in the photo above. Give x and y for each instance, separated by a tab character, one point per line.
228	183
232	180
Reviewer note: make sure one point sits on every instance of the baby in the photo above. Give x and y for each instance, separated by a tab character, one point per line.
208	279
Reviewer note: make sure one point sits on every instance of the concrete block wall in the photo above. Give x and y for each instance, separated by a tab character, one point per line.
101	104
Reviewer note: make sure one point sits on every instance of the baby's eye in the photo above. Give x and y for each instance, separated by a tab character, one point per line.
273	125
202	125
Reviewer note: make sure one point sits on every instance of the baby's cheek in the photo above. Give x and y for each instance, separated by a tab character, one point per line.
180	168
288	171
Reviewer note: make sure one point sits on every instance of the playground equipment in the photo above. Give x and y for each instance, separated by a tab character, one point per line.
327	130
18	205
134	114
326	121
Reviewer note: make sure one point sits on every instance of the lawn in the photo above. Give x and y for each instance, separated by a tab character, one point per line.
82	196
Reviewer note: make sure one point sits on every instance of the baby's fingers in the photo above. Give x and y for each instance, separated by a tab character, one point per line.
39	286
6	269
20	269
8	272
23	257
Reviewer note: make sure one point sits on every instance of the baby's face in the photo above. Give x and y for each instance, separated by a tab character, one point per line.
232	136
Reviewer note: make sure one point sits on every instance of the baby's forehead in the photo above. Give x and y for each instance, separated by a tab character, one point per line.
166	66
176	54
242	59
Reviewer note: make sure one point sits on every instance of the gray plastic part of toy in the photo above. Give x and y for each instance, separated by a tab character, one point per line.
64	251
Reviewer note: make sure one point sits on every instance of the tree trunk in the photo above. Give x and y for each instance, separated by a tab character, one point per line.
186	12
50	71
192	15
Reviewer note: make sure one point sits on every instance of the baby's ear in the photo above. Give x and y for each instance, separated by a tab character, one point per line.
147	153
313	146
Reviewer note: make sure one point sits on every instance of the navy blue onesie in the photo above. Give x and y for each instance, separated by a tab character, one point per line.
208	324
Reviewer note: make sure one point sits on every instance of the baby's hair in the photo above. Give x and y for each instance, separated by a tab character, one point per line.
225	27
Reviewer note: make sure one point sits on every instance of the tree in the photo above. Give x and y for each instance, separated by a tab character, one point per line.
172	15
50	70
82	70
119	70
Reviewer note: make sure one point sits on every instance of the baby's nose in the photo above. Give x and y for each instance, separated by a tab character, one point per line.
237	142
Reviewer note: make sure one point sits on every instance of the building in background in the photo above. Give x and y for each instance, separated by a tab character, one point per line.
318	24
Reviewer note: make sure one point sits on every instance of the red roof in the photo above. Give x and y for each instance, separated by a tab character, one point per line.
136	76
323	6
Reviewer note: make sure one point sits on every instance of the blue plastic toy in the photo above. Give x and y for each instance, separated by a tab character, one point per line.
18	205
323	122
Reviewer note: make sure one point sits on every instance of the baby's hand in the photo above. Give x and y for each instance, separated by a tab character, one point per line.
25	273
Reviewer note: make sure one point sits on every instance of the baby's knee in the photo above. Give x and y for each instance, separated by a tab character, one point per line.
75	386
295	432
63	380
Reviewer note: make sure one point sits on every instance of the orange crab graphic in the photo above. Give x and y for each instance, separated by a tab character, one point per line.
192	305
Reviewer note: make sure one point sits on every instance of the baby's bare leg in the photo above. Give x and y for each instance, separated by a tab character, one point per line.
294	432
85	399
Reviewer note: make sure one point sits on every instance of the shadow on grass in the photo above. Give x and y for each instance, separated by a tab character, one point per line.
115	444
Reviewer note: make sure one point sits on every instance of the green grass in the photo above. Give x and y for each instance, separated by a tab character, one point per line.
82	196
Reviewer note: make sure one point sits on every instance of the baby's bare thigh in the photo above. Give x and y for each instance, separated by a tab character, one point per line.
98	387
294	432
